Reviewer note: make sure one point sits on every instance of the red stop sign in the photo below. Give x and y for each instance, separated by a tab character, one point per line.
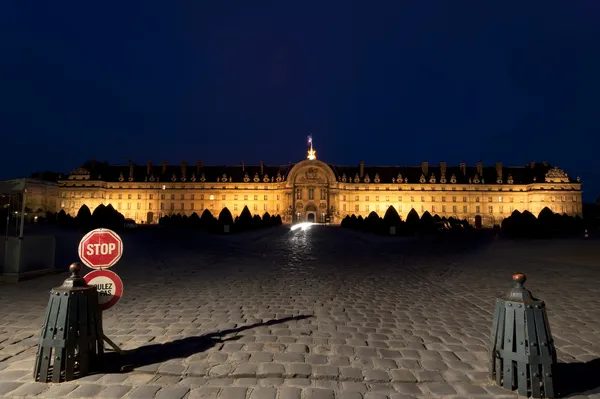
100	248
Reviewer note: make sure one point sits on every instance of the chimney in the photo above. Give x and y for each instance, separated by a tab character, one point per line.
164	167
463	168
199	165
243	166
149	168
130	169
361	171
499	169
480	168
425	167
183	168
533	165
442	168
262	168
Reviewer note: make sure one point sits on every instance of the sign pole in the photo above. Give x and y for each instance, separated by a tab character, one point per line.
100	249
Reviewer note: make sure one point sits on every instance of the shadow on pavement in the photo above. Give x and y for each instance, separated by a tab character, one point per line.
178	349
577	378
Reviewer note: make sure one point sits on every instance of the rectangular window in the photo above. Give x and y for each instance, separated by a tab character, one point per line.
256	198
192	206
119	205
443	208
150	206
453	199
139	206
433	208
129	205
299	194
343	198
139	196
367	208
172	206
245	197
356	198
223	197
499	199
235	197
412	199
277	197
162	196
366	198
490	209
151	196
182	196
399	199
356	208
162	206
453	208
477	209
422	199
128	196
489	199
323	194
443	199
120	196
201	196
344	207
500	209
265	207
277	207
464	208
172	196
182	206
235	207
256	207
377	208
266	197
377	198
192	196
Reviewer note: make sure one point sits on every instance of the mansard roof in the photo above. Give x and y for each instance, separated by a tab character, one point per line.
530	173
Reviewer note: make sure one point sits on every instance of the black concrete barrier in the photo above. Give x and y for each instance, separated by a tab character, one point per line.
71	340
522	353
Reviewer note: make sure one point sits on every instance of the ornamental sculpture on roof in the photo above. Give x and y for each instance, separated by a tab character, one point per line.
556	175
80	171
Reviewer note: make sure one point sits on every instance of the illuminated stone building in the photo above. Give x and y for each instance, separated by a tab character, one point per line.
312	190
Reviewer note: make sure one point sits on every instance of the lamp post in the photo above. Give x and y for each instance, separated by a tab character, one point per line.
7	219
22	214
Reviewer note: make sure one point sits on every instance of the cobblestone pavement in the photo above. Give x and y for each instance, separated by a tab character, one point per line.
319	314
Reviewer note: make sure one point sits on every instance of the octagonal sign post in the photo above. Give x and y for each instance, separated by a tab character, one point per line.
100	249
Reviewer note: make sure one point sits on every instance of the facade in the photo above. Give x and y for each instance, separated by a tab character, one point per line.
41	196
312	190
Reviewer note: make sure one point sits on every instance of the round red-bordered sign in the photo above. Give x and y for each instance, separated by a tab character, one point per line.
109	286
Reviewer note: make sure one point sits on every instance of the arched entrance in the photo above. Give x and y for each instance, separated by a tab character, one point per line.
311	213
478	221
150	217
311	181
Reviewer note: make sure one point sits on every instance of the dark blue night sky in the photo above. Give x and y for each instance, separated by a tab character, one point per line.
390	82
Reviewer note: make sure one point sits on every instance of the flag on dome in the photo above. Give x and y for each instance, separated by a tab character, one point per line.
310	139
